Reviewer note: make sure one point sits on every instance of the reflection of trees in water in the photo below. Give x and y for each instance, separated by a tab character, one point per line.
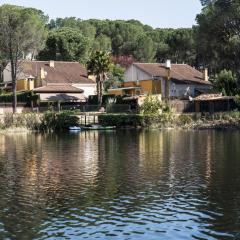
223	183
130	168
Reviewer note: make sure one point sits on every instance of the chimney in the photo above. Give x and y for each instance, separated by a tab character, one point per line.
42	73
51	63
168	64
205	74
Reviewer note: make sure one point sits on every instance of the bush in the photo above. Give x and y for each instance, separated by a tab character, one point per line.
28	120
135	120
226	83
52	121
25	97
185	119
151	105
237	101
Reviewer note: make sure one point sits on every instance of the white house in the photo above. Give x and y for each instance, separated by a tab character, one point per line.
150	78
57	76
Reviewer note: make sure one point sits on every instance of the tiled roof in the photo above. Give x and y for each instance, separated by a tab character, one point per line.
179	72
60	88
208	97
62	72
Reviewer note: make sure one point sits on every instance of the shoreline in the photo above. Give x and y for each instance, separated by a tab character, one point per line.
197	126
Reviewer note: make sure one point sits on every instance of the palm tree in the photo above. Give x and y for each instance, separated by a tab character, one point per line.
99	65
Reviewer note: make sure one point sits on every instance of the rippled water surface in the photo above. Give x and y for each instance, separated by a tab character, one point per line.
120	185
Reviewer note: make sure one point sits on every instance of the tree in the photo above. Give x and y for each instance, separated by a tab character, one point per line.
218	35
66	44
145	50
205	2
21	31
114	77
3	64
99	65
181	46
102	43
226	83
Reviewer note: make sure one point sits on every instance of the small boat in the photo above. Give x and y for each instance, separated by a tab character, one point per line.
98	127
75	128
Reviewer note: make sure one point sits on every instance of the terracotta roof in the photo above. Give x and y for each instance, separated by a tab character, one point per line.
209	97
62	72
179	72
61	88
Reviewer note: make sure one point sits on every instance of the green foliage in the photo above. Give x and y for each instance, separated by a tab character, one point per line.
25	97
22	31
132	38
145	49
218	35
52	121
185	119
205	2
99	65
93	99
102	43
226	83
48	122
237	101
31	121
151	105
181	46
114	77
122	120
66	44
136	120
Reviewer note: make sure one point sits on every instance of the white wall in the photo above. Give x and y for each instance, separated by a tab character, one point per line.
7	77
135	74
7	74
89	89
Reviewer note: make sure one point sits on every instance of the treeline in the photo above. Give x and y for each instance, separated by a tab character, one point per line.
75	39
214	42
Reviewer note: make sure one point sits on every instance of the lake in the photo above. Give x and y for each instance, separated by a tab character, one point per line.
124	184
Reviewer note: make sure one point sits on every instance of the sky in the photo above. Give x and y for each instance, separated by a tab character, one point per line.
156	13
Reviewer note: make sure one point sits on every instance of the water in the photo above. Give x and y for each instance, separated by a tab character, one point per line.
120	185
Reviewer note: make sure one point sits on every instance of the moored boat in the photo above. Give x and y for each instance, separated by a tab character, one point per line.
98	127
75	128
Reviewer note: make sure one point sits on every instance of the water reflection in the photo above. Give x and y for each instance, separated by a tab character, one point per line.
124	185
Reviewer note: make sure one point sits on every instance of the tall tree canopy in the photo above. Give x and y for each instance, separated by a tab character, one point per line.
99	65
65	44
218	35
22	31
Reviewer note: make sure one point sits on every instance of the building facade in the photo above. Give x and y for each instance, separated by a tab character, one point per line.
150	78
35	74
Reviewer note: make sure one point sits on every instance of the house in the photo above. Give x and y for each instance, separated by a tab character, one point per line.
214	103
62	93
52	79
150	78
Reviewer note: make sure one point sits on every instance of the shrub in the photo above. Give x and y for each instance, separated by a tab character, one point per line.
135	120
52	121
226	82
237	101
28	120
26	97
185	119
151	105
